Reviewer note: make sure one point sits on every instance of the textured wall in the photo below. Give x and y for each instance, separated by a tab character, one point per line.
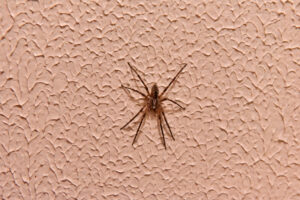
61	105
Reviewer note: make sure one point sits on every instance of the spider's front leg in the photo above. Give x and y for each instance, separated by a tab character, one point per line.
145	86
134	90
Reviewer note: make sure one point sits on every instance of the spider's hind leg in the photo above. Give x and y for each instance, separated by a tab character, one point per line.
162	131
132	118
137	131
174	102
165	118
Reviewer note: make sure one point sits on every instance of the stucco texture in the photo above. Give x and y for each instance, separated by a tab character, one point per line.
61	105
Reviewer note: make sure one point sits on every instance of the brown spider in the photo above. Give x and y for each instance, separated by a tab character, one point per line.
152	104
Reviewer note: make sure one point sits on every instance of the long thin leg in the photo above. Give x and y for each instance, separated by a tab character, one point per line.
137	131
168	125
162	132
132	118
167	99
133	90
173	80
146	88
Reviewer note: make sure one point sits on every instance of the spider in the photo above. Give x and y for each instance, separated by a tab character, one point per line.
153	104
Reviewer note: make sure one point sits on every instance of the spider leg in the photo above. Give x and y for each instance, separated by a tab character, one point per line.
168	125
162	132
137	131
133	90
146	88
132	118
173	80
167	99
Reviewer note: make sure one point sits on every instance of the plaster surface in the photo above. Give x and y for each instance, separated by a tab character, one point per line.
61	105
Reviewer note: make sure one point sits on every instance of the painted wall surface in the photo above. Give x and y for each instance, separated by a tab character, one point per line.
61	105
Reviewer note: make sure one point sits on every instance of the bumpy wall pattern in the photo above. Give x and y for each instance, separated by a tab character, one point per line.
61	105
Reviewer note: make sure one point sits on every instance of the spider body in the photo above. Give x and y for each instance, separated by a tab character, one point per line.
153	104
153	101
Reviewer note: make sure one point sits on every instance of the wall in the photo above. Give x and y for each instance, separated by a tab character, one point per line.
61	105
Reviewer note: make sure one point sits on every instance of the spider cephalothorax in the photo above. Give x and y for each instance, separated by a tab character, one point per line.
153	101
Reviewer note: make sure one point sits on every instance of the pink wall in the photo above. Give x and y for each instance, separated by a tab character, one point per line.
61	105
